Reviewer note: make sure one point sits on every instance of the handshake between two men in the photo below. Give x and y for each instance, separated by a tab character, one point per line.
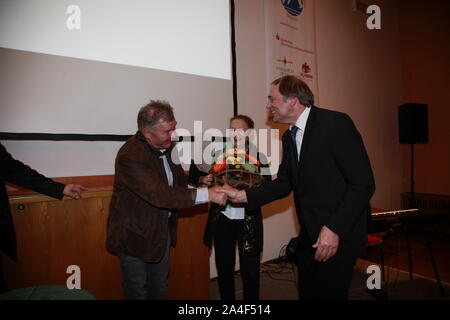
221	194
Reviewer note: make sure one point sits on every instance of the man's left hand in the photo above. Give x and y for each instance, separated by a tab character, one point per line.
326	245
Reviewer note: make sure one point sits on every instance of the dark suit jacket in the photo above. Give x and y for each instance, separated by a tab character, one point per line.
16	172
332	183
138	223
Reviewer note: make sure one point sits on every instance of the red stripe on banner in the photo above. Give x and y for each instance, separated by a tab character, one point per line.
299	49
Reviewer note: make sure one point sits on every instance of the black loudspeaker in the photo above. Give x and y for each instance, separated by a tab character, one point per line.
413	123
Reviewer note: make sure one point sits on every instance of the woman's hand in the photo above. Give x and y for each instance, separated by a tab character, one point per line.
206	180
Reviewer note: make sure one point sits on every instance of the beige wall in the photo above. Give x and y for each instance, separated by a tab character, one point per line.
425	48
360	74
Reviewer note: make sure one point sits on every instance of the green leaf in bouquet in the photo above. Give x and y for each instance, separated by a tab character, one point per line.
250	167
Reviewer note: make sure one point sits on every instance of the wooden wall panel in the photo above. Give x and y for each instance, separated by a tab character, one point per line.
54	234
189	271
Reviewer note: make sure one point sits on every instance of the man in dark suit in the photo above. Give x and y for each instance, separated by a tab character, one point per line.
332	181
14	171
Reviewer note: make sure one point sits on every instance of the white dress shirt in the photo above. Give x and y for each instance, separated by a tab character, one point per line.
234	213
202	193
301	124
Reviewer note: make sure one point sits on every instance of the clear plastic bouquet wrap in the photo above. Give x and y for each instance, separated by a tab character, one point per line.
238	169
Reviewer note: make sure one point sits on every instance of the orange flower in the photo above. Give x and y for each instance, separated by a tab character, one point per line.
219	167
252	159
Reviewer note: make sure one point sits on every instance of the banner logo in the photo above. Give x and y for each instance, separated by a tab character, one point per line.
285	61
293	7
306	72
306	68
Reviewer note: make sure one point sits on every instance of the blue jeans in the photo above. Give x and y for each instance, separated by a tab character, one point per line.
145	280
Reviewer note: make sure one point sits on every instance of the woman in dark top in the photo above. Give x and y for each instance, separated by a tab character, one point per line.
231	225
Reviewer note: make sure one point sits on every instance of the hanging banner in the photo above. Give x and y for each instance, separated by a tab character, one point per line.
291	40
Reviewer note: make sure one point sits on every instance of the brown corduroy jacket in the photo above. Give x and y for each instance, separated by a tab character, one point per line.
138	222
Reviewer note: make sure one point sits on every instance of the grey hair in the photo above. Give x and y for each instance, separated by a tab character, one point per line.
154	112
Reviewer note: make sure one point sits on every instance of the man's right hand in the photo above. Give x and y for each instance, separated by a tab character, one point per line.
235	195
73	191
217	197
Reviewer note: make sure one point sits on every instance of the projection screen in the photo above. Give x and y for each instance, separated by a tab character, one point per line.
87	66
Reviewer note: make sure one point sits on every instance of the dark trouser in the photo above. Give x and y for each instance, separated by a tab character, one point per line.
228	232
145	280
323	280
2	277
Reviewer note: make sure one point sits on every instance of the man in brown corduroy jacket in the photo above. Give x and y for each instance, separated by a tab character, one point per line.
148	189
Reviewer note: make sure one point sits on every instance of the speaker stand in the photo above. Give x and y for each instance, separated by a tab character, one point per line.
410	206
412	200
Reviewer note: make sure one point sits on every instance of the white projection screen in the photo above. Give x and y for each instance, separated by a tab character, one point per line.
87	66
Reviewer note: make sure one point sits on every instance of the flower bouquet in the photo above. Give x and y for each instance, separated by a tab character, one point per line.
238	169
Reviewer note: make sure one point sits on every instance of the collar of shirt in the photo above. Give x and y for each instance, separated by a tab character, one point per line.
154	150
301	121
